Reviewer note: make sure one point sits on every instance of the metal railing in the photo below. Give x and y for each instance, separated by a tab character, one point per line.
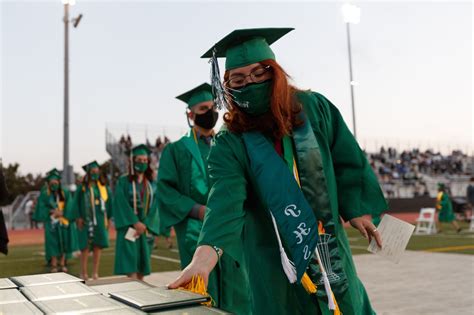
21	220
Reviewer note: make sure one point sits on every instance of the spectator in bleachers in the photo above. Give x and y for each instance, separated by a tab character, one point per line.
409	168
158	143
128	144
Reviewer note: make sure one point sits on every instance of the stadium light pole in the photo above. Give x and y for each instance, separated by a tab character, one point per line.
351	15
67	169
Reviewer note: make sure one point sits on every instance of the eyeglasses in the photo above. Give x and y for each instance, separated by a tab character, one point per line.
140	159
256	76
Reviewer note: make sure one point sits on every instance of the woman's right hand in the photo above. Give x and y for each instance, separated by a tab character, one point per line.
204	260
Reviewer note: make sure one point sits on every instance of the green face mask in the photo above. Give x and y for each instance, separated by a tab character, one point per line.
54	187
254	99
95	177
140	167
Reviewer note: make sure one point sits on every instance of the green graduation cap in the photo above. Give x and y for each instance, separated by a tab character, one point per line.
90	165
246	46
53	174
140	149
201	93
441	185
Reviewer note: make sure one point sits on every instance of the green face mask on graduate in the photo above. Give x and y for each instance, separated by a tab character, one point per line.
140	167
54	187
254	99
95	176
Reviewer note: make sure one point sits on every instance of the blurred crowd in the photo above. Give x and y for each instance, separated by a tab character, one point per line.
126	145
409	167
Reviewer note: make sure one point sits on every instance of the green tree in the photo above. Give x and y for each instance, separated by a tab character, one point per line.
18	183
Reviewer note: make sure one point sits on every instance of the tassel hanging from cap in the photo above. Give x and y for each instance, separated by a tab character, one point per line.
218	89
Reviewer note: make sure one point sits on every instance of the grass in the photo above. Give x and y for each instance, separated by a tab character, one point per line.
23	260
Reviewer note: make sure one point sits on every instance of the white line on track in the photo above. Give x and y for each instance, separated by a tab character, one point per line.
165	258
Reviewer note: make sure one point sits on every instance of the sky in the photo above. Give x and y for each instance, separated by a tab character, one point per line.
129	59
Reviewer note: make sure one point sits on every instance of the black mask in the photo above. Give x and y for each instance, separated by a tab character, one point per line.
207	120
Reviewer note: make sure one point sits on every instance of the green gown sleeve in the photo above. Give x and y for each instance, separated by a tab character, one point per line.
358	189
151	221
123	213
42	209
75	209
109	204
68	204
225	213
173	205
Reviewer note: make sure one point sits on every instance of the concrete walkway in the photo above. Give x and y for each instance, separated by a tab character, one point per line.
162	278
422	283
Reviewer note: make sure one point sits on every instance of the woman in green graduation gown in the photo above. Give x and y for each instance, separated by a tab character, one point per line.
445	208
284	169
135	216
182	191
52	208
92	211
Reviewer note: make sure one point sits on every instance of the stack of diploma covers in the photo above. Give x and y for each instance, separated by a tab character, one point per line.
62	293
12	301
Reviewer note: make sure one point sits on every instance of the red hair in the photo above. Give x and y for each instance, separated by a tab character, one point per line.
282	117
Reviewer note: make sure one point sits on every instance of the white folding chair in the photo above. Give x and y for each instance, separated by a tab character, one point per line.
426	222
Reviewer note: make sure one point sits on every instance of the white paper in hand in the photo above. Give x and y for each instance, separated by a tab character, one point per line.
395	235
131	234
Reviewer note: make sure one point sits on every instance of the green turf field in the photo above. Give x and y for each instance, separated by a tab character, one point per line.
23	260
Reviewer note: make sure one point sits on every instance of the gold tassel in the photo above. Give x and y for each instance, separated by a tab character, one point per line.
309	286
337	311
197	285
64	221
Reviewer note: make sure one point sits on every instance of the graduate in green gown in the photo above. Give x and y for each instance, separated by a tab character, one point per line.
92	211
183	188
52	208
445	208
135	215
284	170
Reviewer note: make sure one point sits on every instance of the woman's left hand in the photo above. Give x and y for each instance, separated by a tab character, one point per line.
367	229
